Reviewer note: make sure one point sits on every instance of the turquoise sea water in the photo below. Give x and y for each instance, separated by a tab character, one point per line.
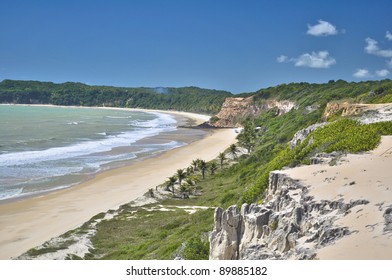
49	148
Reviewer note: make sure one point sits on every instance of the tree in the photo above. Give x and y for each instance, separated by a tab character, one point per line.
190	170
189	181
195	164
184	190
170	183
233	150
180	175
203	167
151	192
247	137
213	168
222	158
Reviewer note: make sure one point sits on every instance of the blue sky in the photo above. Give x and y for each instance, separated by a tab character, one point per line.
235	45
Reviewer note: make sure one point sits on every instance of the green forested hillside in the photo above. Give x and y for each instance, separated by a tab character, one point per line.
305	94
191	99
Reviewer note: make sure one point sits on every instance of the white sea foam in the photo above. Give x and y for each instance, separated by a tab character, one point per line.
158	125
10	193
162	121
118	117
19	192
27	172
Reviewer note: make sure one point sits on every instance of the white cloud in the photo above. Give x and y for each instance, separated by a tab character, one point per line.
323	28
362	73
372	48
319	59
382	73
282	58
388	35
365	73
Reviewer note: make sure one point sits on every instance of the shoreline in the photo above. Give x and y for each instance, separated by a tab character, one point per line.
179	134
196	118
29	222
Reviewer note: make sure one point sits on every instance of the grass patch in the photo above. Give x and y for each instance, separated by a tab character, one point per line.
47	248
148	235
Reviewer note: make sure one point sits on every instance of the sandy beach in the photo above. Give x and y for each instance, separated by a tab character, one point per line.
361	176
30	222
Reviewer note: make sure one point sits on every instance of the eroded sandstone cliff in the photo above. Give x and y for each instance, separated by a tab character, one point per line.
290	224
368	112
236	109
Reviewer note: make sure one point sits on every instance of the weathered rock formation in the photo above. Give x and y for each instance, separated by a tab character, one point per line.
323	158
388	219
290	224
300	135
369	112
236	109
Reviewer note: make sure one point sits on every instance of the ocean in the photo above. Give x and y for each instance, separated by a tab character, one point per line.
45	148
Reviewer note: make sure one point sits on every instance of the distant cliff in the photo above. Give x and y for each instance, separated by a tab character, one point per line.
236	109
365	113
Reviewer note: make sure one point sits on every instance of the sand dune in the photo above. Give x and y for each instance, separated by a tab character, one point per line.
362	176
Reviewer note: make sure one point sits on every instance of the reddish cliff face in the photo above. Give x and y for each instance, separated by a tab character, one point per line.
235	109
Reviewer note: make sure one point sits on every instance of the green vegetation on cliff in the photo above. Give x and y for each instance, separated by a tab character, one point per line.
306	94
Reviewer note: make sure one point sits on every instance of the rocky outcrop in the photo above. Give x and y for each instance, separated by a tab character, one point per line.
323	158
369	112
226	234
236	109
300	135
290	224
388	219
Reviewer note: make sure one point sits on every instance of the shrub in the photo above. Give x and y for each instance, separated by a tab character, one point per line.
196	249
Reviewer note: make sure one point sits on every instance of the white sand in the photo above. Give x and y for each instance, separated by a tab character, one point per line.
370	178
27	223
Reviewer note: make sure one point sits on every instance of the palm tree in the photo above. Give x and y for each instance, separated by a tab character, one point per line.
213	167
233	150
189	170
190	183
180	175
184	191
203	167
195	164
222	158
170	184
